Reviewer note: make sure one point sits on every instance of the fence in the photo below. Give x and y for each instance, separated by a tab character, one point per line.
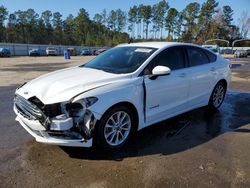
17	49
230	50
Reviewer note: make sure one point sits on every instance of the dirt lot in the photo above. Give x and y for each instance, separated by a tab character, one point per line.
196	149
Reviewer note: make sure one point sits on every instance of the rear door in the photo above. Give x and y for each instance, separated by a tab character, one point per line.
167	95
202	71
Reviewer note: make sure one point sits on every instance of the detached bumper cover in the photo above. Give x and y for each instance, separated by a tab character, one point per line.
43	137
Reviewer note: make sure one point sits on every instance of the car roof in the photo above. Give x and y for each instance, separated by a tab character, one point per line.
155	44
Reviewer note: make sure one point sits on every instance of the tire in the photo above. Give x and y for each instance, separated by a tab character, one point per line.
217	96
115	128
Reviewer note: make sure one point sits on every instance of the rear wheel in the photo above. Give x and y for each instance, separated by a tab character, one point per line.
217	96
115	127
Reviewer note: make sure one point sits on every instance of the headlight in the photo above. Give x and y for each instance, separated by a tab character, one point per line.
87	102
78	108
83	119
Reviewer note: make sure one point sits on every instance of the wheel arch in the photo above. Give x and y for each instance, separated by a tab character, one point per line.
131	107
224	82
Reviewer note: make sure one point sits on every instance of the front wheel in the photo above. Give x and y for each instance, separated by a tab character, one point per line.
217	96
115	127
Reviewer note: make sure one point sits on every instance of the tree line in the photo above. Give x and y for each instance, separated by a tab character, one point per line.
195	23
49	28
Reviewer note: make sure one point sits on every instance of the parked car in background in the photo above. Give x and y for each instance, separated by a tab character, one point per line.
213	48
227	51
51	51
121	91
34	52
93	51
86	52
99	51
248	52
240	53
72	51
5	52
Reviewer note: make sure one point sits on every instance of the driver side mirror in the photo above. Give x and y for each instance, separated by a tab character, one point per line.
160	71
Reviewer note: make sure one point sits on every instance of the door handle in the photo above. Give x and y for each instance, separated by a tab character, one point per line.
182	75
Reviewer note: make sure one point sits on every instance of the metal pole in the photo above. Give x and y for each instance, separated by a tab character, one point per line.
14	50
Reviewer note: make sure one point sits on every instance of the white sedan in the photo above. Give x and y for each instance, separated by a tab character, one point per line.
119	92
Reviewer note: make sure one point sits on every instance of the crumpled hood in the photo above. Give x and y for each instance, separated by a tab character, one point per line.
64	84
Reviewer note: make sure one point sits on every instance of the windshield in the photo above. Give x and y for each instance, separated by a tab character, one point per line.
120	59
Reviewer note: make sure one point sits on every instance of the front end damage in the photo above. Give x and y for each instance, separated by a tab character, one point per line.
66	123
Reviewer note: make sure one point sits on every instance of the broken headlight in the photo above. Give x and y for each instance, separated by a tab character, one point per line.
83	118
78	108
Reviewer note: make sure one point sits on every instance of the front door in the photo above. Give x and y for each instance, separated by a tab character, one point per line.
167	95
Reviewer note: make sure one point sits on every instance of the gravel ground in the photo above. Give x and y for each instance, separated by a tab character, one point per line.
196	149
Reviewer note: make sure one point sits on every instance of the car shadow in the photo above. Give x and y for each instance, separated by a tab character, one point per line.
242	130
179	133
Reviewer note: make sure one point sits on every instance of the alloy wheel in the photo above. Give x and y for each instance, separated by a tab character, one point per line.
218	95
117	128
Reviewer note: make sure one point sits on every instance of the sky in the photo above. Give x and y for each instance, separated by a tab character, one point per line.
66	7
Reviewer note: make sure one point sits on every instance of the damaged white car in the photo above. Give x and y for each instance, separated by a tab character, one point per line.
119	92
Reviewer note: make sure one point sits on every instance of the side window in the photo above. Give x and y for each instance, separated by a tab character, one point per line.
196	56
211	56
172	58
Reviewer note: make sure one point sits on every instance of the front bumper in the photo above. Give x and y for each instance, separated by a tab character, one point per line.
43	136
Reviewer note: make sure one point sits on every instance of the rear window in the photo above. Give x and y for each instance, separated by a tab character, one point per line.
212	57
197	56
